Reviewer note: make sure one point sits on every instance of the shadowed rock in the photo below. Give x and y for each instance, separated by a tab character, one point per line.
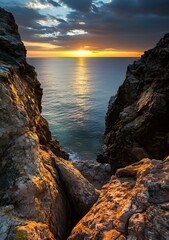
81	193
96	173
137	118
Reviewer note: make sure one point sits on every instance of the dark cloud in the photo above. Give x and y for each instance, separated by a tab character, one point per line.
29	28
53	3
157	7
81	5
27	17
58	19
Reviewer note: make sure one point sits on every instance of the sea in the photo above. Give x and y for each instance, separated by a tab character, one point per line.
76	92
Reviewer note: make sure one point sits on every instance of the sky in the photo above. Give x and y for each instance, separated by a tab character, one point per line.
92	28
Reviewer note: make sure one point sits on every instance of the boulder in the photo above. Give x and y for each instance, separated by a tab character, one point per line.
81	193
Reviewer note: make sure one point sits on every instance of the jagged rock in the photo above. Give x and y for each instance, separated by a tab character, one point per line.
133	205
96	173
137	118
39	190
33	203
12	50
82	194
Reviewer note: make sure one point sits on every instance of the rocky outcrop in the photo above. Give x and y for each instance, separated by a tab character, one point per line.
96	173
133	205
137	118
81	193
35	203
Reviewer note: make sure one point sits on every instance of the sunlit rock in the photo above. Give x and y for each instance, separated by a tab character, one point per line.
133	205
33	203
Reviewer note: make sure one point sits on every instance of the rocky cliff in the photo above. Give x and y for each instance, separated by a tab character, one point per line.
137	118
41	194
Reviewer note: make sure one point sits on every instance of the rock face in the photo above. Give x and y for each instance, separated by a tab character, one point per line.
133	205
34	203
137	118
96	173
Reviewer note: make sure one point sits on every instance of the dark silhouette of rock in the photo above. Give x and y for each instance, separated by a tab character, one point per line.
133	205
137	118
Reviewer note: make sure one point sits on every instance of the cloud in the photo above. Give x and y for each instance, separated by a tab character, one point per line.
53	3
42	4
119	24
81	5
37	5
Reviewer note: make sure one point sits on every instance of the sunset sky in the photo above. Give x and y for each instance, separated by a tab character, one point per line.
66	28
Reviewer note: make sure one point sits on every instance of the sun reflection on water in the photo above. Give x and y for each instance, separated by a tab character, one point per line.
82	88
81	77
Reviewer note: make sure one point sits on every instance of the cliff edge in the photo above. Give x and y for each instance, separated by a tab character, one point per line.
137	118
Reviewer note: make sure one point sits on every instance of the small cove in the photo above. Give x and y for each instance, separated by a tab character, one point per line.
76	92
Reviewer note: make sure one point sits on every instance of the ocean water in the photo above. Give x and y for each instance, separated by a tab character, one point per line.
76	92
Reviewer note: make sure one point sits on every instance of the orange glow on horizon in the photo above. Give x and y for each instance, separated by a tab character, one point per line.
53	54
48	50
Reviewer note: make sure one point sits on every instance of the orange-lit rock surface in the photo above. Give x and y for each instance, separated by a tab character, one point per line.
134	205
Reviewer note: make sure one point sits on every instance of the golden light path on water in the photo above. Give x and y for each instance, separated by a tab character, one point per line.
81	86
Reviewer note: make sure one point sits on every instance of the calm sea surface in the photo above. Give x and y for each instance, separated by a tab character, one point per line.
76	92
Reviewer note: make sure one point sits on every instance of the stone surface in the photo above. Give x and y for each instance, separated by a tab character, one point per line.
137	118
82	194
96	173
134	205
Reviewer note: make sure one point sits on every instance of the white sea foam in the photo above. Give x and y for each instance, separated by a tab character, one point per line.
74	156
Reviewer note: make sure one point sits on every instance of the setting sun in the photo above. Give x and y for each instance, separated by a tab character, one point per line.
82	53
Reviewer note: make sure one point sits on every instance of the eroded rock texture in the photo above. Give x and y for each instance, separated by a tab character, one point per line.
34	203
96	173
134	205
137	118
